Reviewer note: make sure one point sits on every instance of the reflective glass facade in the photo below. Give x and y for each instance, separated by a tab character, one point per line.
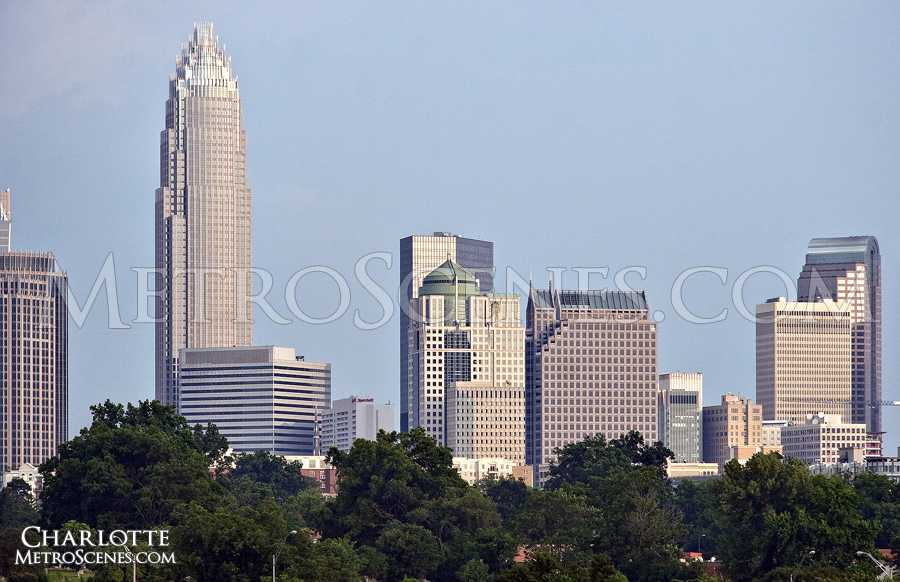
848	270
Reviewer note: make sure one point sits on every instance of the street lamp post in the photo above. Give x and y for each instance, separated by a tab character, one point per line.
133	563
811	552
276	554
699	550
885	569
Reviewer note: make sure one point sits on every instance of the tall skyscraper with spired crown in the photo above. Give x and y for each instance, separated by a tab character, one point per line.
203	212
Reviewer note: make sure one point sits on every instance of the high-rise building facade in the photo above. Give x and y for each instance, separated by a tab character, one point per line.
735	423
352	418
848	271
34	339
680	424
590	367
203	213
467	348
5	220
420	255
802	358
260	397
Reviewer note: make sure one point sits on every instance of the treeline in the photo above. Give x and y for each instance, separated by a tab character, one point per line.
402	512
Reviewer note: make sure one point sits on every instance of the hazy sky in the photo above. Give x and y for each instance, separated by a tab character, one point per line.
599	134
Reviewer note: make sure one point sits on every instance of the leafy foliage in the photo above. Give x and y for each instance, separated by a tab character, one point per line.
772	513
284	479
400	496
637	521
129	470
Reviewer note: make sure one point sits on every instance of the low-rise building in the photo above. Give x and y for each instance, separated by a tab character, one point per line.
771	432
691	471
28	473
318	468
734	422
820	438
260	397
472	470
854	462
486	421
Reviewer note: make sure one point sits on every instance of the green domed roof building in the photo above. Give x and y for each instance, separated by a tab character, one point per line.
449	279
455	284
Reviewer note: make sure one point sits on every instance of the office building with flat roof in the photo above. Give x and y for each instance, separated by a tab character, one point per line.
34	347
34	341
680	423
486	421
419	256
590	366
820	437
353	418
803	358
260	397
736	422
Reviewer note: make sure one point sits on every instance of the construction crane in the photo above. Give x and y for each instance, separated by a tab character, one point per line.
817	400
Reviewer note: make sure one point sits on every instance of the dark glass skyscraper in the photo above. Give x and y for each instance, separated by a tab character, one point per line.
419	256
848	270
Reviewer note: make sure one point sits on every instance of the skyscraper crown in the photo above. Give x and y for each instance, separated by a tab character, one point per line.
203	66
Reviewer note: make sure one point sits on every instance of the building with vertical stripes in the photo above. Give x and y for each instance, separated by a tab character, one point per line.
466	371
680	422
353	418
803	359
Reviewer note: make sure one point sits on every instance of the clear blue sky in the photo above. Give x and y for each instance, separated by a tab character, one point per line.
596	134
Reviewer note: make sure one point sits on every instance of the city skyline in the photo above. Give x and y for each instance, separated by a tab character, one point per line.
660	130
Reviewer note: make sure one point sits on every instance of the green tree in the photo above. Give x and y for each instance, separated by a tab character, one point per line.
561	524
543	567
129	470
212	444
697	502
17	505
771	514
284	479
624	480
475	571
230	543
879	501
408	510
508	494
644	524
331	560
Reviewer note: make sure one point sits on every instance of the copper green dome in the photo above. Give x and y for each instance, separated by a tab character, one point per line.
449	279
